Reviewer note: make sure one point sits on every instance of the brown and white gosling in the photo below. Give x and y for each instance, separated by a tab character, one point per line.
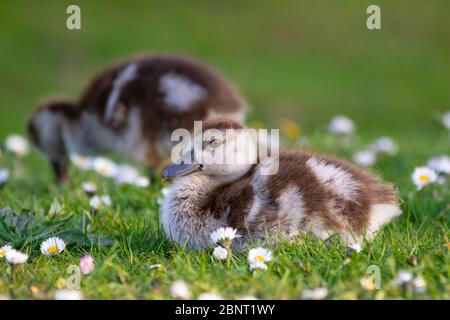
309	193
131	109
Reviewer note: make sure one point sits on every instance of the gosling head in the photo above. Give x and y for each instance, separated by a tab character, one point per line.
223	151
45	128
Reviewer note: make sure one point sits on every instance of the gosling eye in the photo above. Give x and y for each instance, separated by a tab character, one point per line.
214	143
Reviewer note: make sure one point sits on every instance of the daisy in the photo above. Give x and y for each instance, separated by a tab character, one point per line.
209	296
341	125
4	176
258	257
365	158
16	257
82	162
52	246
402	278
419	284
4	250
385	145
423	176
222	234
106	200
105	167
155	266
17	145
220	253
315	294
446	120
68	294
142	182
180	290
440	164
357	247
126	174
89	188
97	202
87	264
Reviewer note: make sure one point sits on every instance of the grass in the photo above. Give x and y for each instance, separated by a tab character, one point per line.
304	61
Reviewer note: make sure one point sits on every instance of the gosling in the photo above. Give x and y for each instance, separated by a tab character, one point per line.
303	192
131	108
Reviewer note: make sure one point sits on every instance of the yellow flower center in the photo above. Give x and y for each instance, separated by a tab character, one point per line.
104	170
424	178
2	253
52	249
259	258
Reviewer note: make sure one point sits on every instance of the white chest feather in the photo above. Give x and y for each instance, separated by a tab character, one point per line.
182	217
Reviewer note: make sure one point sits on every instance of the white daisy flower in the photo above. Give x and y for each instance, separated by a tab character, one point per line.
258	257
105	167
365	158
142	182
52	246
402	278
440	164
4	176
155	266
220	253
106	200
224	234
4	250
82	162
126	174
385	145
17	145
180	290
419	284
423	176
357	247
97	202
341	125
446	119
68	294
209	296
89	188
16	257
315	294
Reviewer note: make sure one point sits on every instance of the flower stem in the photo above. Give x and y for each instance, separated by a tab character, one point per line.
229	254
12	281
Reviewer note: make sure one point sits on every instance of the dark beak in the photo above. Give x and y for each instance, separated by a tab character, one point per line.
60	170
179	170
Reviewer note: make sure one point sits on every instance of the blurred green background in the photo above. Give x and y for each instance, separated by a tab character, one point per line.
304	60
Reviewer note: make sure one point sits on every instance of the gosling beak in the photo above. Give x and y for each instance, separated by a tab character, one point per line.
179	170
60	170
